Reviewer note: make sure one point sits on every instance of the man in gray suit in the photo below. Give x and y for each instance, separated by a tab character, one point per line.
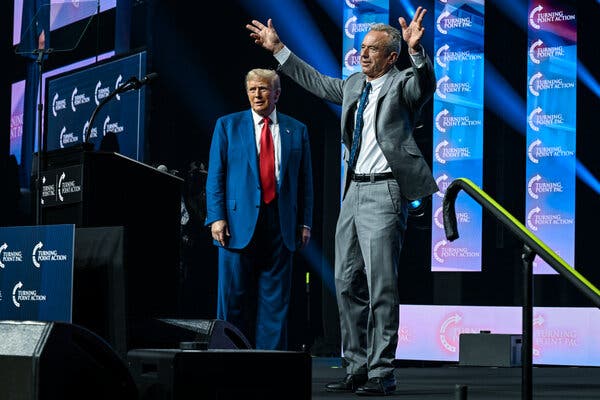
385	170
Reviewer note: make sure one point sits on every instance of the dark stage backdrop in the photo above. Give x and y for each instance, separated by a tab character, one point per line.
202	57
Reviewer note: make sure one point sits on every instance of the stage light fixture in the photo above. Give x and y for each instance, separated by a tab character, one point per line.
416	208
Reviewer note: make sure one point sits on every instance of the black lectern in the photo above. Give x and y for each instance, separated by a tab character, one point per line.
95	188
105	189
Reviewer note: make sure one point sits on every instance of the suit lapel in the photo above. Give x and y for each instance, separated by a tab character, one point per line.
249	140
386	87
354	95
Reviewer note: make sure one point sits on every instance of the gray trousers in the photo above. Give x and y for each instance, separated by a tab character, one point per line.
369	234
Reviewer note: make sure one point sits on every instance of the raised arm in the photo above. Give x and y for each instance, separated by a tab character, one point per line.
413	32
265	35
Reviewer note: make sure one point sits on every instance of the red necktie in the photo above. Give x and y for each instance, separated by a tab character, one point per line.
267	163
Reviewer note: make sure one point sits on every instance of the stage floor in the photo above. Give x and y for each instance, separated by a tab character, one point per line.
482	383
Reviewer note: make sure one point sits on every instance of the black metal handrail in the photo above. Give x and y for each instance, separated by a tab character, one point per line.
532	246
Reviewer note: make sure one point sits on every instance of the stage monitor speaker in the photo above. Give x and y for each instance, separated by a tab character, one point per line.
485	349
175	374
55	360
195	334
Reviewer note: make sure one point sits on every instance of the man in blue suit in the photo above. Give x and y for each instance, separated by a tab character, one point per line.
259	200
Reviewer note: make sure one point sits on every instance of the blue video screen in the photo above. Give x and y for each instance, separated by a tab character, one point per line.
62	13
73	97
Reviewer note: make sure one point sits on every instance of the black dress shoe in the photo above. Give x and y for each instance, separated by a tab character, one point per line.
349	384
377	387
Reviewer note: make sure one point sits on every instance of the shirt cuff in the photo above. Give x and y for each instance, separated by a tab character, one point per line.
282	55
418	58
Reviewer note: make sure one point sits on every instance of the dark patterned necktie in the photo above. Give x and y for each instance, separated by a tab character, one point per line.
356	138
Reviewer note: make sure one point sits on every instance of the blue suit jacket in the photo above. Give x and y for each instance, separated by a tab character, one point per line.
233	185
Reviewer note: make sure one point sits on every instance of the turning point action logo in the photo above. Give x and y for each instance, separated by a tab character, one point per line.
444	120
535	151
537	17
100	92
93	131
38	255
108	126
443	56
537	218
537	83
443	250
19	295
58	104
78	99
65	138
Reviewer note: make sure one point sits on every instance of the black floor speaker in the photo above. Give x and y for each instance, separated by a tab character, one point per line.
54	360
194	334
174	374
490	350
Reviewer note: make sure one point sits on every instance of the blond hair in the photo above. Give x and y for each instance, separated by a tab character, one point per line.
264	74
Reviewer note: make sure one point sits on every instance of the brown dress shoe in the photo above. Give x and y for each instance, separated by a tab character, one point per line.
349	384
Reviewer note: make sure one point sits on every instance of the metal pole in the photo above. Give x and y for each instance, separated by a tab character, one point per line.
460	392
527	345
40	142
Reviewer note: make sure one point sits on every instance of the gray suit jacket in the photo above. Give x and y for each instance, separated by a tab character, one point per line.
398	107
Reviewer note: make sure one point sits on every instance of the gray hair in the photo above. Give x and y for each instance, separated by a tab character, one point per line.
264	74
395	36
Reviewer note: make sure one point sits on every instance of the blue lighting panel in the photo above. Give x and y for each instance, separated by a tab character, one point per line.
550	169
458	128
